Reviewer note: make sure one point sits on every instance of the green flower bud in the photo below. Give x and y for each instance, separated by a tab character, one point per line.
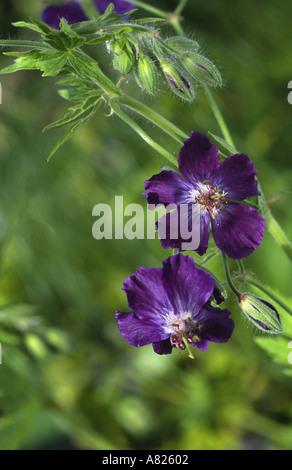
148	77
177	81
182	44
117	46
123	62
201	69
262	314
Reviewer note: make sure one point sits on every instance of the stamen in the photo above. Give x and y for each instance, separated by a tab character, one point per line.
210	198
188	348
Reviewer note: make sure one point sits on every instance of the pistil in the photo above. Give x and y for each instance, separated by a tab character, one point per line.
210	198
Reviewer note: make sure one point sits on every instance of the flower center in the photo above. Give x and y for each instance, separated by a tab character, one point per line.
210	198
185	332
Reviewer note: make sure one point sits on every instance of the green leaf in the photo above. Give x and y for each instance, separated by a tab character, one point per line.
222	142
75	113
109	17
50	62
24	24
64	139
63	40
107	12
101	39
85	114
41	25
280	347
167	168
84	66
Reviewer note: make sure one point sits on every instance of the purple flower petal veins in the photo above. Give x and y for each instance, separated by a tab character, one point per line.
237	228
170	308
73	12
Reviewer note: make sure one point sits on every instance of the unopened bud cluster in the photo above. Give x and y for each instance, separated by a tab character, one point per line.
176	59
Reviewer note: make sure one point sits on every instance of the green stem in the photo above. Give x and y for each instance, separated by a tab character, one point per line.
154	117
209	256
228	276
142	133
180	7
20	43
219	117
240	266
136	27
269	293
150	8
278	234
174	21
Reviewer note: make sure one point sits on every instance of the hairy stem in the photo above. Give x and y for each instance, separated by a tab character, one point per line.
147	7
220	120
21	43
142	133
228	276
180	6
268	292
154	117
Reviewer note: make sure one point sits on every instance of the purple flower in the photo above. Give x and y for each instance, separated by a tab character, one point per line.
73	12
237	228
170	308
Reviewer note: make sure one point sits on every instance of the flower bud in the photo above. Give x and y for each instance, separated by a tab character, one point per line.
201	69
177	82
148	77
182	44
123	62
117	46
263	315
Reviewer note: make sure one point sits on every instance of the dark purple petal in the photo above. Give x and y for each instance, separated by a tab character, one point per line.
71	11
167	188
236	176
174	239
137	332
204	232
163	226
172	80
121	6
238	229
184	82
162	347
202	345
146	295
216	324
188	287
218	296
198	159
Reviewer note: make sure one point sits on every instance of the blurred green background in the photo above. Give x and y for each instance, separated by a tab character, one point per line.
68	380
